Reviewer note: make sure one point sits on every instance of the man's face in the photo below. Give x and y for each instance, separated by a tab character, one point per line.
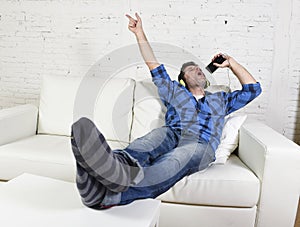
194	76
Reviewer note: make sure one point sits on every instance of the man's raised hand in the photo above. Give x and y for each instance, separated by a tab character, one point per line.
135	26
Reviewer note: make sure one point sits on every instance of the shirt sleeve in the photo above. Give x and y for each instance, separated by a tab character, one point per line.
163	82
238	99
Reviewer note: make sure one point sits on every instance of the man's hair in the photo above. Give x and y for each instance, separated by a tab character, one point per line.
183	67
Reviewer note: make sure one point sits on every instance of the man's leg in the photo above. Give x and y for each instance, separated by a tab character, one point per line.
188	158
152	145
145	149
115	171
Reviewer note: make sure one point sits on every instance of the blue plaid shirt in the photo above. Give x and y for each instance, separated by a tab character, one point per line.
203	118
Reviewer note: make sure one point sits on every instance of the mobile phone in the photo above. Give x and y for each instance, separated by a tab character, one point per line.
211	67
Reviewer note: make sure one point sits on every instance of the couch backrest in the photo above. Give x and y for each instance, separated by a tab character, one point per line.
111	105
149	112
123	109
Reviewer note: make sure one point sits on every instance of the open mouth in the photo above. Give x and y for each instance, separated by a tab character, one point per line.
201	74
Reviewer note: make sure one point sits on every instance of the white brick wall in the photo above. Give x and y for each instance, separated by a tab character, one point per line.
66	37
292	122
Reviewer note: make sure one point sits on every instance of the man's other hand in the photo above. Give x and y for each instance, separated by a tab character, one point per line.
226	63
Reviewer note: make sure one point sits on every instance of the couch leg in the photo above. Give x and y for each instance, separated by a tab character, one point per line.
297	223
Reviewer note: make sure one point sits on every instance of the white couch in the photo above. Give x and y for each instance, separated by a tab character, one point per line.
258	185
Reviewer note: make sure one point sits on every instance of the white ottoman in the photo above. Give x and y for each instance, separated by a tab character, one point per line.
30	200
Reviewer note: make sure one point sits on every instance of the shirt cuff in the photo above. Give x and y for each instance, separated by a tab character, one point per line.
158	71
251	87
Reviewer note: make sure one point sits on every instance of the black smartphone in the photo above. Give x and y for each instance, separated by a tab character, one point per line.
211	67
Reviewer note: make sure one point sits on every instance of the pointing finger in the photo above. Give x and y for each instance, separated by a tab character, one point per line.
130	18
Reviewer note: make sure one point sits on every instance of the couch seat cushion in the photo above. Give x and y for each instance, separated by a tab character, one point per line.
232	184
45	155
39	154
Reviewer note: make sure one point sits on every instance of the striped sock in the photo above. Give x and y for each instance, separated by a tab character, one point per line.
94	154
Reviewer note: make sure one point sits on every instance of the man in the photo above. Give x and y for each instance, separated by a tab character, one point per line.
153	163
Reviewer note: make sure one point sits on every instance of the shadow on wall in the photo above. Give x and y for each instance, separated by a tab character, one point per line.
297	126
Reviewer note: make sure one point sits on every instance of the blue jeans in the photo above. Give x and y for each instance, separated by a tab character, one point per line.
166	156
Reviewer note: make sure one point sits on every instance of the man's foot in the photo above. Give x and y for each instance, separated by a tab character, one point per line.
91	191
94	154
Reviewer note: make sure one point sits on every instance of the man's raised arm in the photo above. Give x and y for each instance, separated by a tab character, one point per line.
135	26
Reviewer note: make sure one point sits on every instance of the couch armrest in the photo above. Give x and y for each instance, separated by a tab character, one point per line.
276	161
17	122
